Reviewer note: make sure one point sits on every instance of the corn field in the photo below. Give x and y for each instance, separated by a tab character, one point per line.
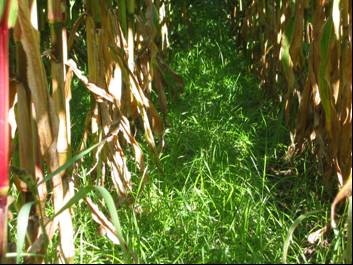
307	46
301	51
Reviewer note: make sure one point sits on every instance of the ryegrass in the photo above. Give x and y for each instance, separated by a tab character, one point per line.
219	199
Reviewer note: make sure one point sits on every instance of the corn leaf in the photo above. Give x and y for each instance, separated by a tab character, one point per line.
22	223
12	13
2	8
82	193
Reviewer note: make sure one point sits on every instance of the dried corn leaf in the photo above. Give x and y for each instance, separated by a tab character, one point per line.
106	227
97	91
36	76
324	82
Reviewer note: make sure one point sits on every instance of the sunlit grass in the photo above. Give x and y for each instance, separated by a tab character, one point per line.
217	200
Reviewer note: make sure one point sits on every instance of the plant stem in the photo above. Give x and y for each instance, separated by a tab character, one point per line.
4	132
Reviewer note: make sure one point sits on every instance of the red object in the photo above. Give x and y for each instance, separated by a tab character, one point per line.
4	130
4	107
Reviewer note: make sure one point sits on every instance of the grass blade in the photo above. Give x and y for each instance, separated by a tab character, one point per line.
22	224
71	161
82	193
115	219
291	230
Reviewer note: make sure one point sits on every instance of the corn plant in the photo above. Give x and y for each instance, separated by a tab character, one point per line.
8	15
124	43
305	47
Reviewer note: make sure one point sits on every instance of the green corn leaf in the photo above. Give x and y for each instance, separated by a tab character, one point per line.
291	230
2	8
11	21
82	193
94	10
155	16
12	5
71	161
290	29
112	210
131	5
22	224
123	21
325	41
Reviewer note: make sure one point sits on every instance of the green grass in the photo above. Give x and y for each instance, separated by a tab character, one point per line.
218	199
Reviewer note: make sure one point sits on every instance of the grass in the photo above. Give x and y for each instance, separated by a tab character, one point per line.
219	199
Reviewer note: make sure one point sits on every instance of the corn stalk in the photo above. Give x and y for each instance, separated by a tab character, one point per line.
56	19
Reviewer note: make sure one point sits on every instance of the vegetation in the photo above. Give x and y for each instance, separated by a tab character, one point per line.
306	44
181	131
